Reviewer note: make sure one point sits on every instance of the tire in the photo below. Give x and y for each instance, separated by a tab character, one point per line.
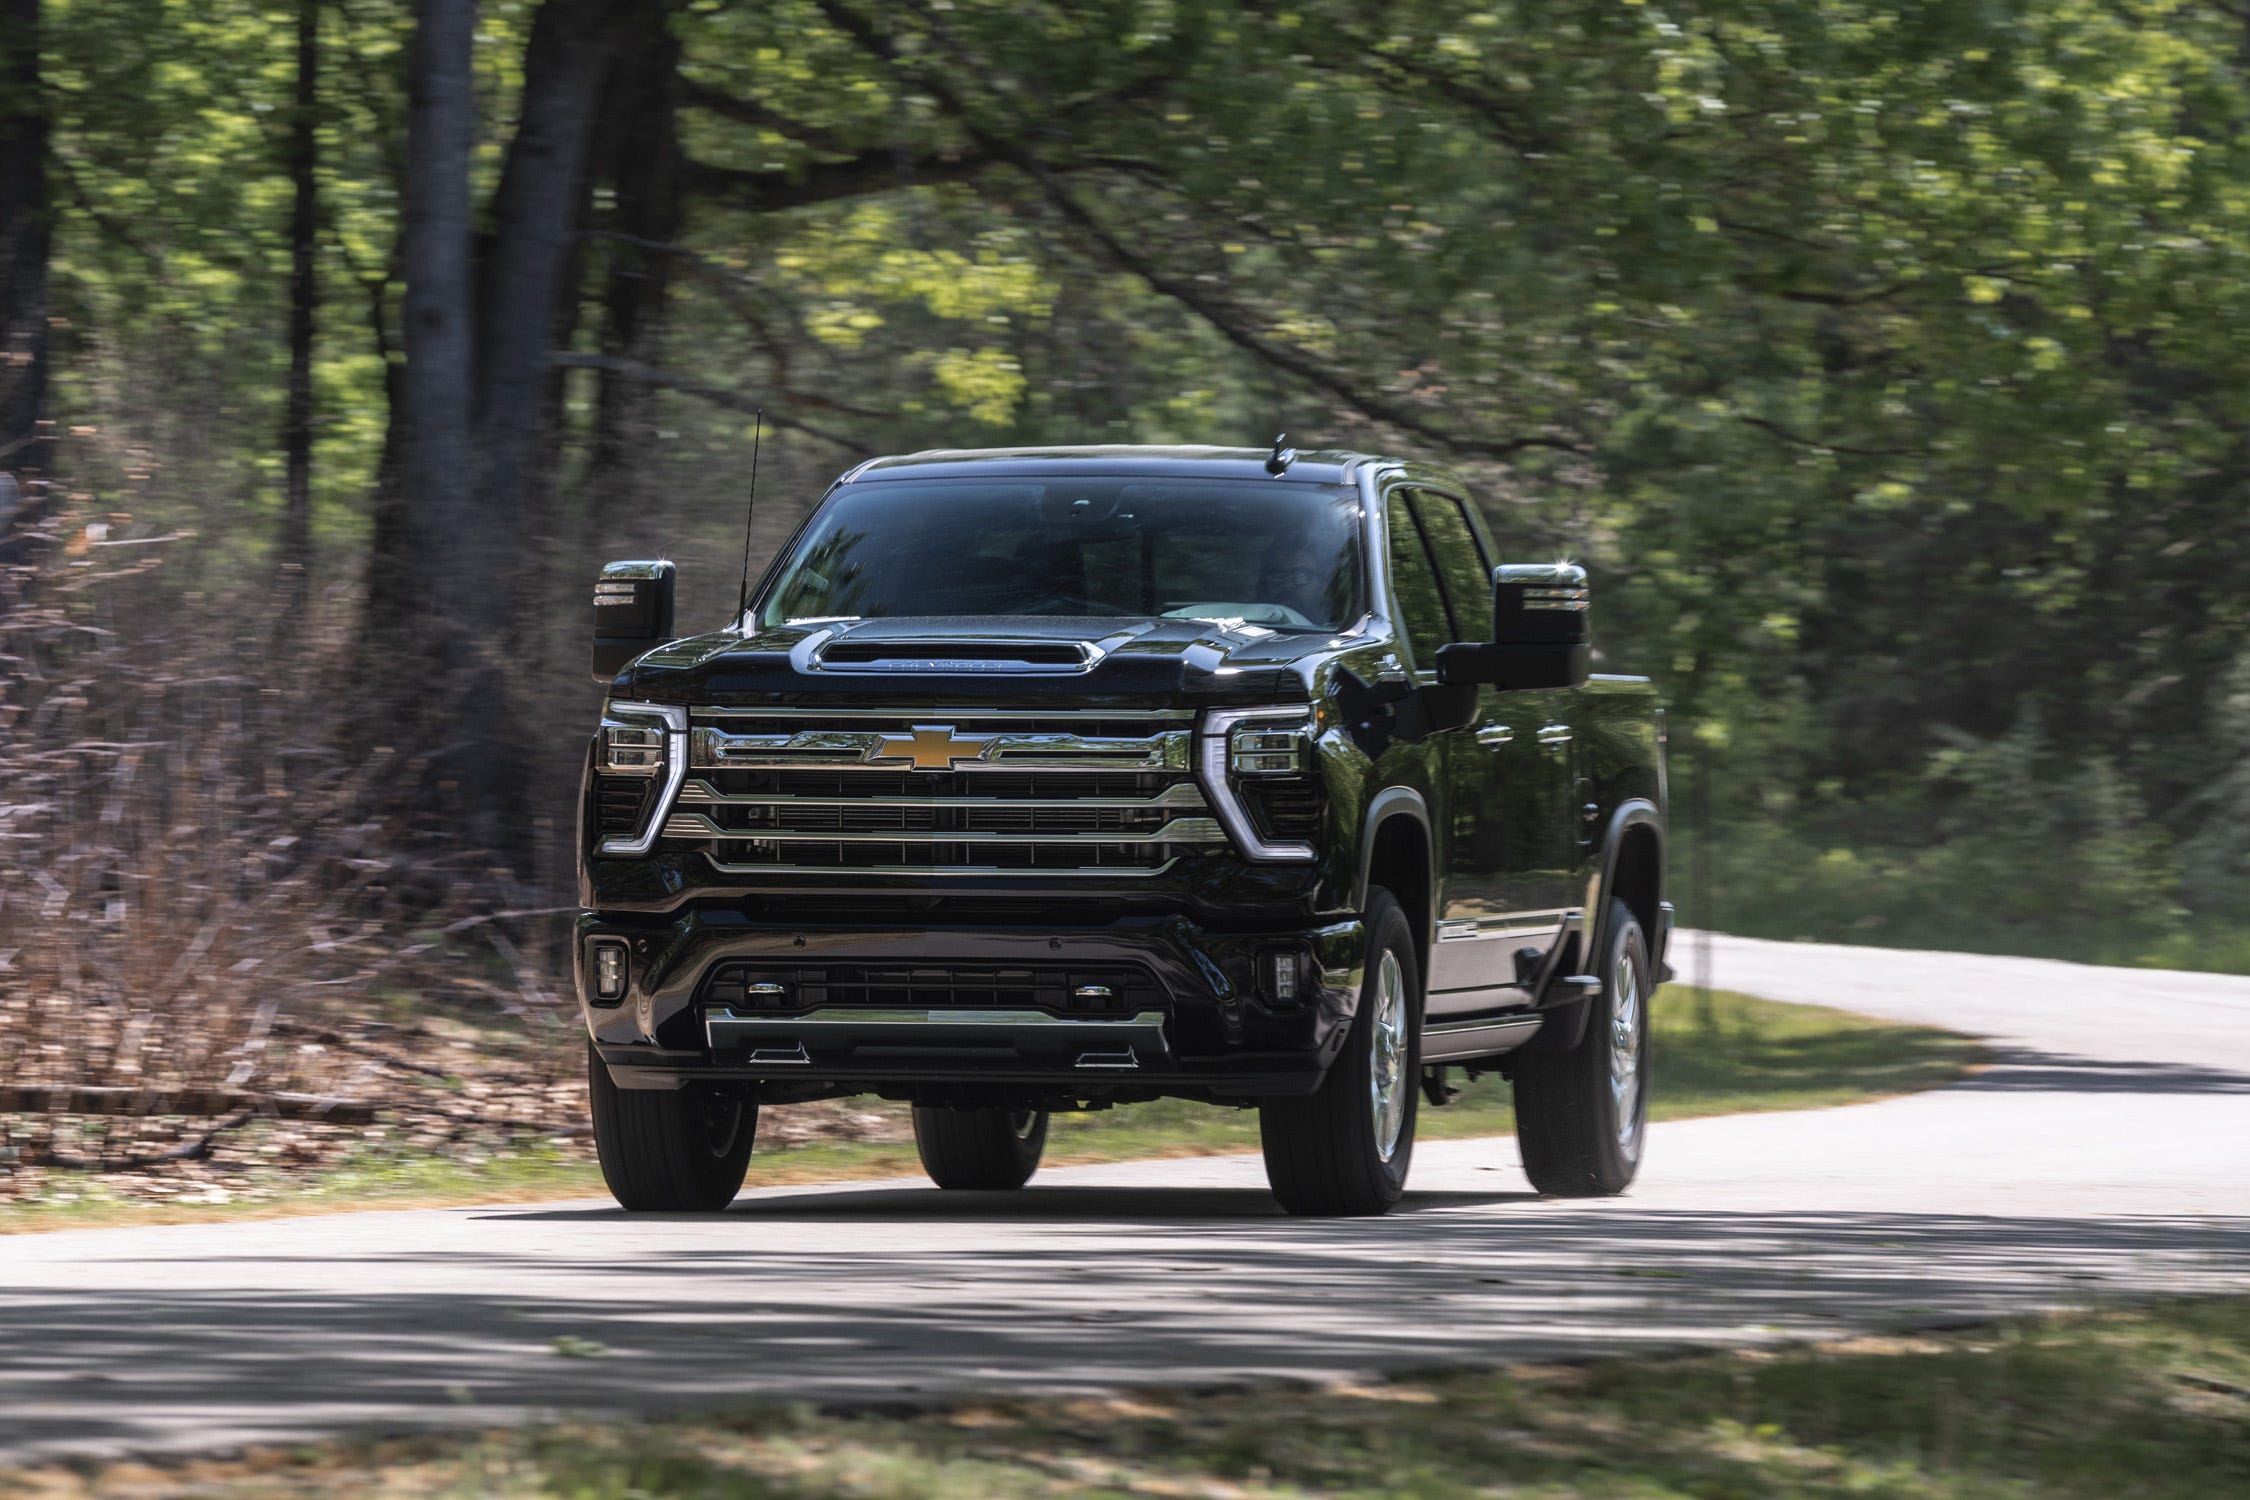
680	1152
1582	1115
1345	1150
979	1150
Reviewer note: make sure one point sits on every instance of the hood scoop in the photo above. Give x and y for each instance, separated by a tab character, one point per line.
926	657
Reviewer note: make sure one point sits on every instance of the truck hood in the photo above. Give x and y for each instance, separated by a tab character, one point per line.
990	662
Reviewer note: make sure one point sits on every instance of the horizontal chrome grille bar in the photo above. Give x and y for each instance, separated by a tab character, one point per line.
845	749
692	825
700	793
959	717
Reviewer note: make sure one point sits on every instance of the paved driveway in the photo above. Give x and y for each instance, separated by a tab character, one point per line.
2106	1153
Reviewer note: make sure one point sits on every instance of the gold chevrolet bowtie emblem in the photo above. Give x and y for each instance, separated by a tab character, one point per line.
933	747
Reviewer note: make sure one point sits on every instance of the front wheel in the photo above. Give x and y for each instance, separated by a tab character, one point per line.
989	1150
681	1151
1582	1115
1345	1149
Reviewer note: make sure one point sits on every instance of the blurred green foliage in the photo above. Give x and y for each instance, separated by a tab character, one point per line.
1886	361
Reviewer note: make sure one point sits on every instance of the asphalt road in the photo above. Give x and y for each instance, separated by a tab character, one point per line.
2105	1154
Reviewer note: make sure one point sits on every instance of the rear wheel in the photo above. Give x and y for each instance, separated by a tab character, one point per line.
1582	1115
979	1149
679	1151
1346	1148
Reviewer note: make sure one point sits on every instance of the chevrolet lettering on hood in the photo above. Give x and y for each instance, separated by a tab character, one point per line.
1037	780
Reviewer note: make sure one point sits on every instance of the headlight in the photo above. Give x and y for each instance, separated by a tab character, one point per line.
1258	772
1260	748
646	741
631	748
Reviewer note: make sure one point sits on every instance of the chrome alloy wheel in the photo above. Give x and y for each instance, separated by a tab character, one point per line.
1628	1036
1387	1080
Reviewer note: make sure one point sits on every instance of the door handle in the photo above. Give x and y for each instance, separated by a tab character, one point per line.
1493	736
1555	734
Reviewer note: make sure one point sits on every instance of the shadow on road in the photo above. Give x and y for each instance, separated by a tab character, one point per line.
1099	1285
2023	1068
1120	1207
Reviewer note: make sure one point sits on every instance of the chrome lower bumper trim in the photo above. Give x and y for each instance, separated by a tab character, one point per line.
951	1016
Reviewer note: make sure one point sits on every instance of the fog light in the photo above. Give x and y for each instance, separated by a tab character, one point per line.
609	972
1282	975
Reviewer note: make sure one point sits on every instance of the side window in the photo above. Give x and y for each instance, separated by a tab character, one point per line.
1414	587
1461	567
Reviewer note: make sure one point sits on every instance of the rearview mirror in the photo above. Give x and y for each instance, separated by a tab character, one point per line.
1539	637
632	613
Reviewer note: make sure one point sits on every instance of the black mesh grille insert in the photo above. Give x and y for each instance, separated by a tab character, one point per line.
619	804
1284	809
937	854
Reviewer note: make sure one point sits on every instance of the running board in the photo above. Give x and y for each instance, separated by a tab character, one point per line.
1451	1041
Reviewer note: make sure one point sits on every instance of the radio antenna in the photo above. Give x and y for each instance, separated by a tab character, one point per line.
750	515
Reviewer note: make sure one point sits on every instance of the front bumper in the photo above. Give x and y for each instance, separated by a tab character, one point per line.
1200	1024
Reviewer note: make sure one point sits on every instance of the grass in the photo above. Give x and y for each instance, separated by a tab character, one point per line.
1743	1054
2151	1402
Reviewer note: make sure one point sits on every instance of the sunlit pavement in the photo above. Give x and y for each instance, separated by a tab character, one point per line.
2105	1154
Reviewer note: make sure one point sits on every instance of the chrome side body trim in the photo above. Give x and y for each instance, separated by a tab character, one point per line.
675	771
1514	924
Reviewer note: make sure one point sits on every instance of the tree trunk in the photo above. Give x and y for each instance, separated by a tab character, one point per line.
524	277
26	239
440	663
534	226
304	220
638	156
439	380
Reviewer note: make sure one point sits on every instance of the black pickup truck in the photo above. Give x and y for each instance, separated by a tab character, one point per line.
1039	780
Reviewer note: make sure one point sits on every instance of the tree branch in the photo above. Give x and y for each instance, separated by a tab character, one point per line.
1796	439
1229	322
717	395
718	101
872	171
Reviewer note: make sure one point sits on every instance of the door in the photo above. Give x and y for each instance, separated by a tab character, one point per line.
1511	850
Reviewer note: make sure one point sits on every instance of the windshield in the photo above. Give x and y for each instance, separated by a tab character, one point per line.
1280	554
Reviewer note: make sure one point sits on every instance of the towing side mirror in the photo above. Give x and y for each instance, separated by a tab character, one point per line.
632	613
1538	631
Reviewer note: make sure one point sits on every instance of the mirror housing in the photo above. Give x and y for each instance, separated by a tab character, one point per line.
632	613
1539	637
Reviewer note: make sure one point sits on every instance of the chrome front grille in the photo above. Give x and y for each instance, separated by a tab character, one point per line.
772	791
